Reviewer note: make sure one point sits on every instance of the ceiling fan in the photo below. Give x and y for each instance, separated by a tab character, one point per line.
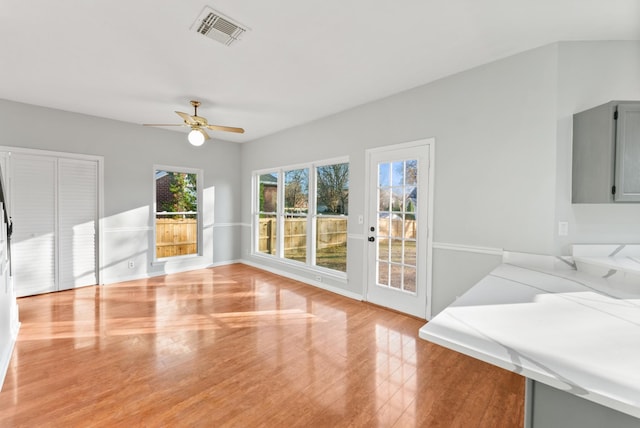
198	124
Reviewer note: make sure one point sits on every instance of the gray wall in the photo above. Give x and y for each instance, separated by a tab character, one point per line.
590	74
502	164
502	157
129	152
494	130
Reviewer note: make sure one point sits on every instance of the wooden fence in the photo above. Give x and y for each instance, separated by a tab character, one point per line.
176	237
399	228
330	232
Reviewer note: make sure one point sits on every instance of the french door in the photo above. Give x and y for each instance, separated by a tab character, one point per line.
398	252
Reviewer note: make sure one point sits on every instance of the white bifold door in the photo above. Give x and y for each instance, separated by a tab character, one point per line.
54	208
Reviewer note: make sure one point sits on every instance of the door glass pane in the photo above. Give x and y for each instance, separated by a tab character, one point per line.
396	250
411	173
396	226
397	178
384	175
409	279
383	273
410	226
410	253
396	276
383	249
384	199
397	199
397	204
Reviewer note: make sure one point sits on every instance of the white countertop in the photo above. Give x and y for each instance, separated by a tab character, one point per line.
561	327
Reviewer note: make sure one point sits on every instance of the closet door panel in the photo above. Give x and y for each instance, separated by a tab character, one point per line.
77	214
33	207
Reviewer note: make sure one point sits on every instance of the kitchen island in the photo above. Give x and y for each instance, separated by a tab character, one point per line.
573	335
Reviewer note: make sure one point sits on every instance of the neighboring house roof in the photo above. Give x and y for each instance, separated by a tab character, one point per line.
268	179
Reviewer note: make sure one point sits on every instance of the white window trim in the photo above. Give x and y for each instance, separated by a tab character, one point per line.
199	187
311	216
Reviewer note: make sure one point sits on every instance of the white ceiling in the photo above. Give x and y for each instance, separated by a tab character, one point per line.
138	61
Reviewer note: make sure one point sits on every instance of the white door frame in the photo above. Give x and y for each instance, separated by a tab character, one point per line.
430	143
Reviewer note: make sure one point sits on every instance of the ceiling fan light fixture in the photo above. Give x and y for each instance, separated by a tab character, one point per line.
196	138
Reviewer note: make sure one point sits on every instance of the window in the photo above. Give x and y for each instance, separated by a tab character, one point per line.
267	212
296	207
177	212
301	214
332	195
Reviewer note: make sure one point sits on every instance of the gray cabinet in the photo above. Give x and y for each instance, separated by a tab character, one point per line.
606	153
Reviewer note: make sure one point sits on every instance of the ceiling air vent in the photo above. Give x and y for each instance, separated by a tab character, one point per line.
218	27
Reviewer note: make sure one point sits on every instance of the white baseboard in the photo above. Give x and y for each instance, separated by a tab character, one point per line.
5	359
331	288
148	275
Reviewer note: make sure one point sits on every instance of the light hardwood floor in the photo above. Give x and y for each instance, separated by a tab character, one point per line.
236	346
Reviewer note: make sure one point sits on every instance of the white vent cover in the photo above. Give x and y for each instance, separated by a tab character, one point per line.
218	27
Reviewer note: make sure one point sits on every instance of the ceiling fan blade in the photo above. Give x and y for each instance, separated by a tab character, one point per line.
162	124
206	136
187	118
226	128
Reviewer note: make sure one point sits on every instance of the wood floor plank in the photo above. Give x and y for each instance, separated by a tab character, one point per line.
234	346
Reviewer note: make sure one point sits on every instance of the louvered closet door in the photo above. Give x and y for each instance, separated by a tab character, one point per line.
77	214
33	207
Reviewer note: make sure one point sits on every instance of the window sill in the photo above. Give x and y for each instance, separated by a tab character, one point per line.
177	259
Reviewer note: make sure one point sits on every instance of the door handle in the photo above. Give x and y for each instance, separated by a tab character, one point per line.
371	239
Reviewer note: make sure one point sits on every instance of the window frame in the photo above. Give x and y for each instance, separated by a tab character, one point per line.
311	216
199	173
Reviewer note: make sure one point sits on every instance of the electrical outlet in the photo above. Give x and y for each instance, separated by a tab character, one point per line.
563	228
131	264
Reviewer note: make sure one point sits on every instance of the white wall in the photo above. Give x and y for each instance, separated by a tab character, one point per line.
130	152
495	161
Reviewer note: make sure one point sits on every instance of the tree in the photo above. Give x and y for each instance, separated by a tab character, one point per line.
182	187
296	189
411	172
333	188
